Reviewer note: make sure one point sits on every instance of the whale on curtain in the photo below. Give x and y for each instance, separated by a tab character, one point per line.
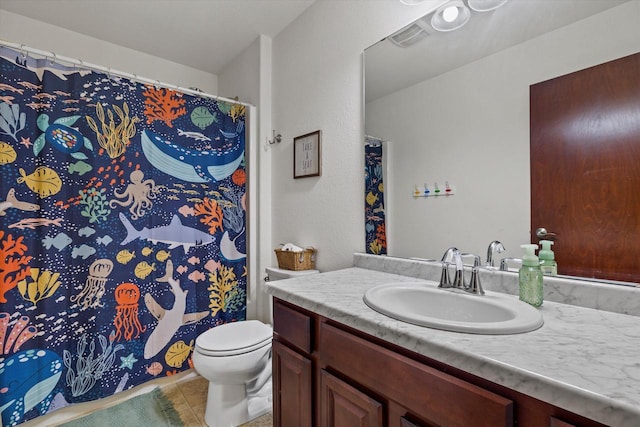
194	165
29	386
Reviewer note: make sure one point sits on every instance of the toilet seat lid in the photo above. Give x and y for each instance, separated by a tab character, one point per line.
234	338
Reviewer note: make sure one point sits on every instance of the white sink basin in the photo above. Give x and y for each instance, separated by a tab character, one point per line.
424	304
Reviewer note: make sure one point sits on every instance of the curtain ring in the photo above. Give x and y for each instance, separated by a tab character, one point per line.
52	61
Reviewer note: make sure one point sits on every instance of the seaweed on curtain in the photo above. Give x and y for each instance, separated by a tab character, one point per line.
122	231
89	366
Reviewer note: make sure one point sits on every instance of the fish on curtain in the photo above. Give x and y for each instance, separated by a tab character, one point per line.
375	226
123	231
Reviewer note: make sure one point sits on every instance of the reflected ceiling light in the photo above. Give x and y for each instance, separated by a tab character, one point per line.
411	2
450	16
485	5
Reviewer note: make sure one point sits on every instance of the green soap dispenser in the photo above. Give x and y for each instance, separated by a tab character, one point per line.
530	277
548	263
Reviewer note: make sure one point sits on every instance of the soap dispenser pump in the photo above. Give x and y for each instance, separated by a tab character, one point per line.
548	263
530	277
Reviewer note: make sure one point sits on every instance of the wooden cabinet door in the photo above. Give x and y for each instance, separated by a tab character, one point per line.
292	392
342	405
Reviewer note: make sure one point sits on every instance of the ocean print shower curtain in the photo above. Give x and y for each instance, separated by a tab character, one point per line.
122	231
375	225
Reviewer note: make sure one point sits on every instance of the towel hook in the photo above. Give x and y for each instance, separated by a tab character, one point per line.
277	139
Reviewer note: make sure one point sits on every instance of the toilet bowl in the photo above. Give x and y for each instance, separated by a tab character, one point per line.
236	360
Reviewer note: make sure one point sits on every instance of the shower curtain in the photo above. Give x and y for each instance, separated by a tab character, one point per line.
375	226
123	231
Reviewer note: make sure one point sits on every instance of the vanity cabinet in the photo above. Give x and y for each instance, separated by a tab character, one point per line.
326	374
292	368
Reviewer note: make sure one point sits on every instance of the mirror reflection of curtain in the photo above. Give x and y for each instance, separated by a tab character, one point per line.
375	225
122	231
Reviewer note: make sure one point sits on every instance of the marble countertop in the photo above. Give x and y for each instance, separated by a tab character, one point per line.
584	360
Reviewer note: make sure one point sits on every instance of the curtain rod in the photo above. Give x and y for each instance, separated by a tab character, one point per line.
57	58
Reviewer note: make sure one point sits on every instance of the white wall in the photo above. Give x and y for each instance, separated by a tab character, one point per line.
37	34
249	77
471	126
317	84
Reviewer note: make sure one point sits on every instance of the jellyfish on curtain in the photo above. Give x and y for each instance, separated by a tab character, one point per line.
126	321
90	295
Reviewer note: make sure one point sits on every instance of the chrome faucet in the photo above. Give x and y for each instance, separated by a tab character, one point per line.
474	285
496	246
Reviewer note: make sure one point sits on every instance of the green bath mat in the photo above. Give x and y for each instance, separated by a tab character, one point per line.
151	409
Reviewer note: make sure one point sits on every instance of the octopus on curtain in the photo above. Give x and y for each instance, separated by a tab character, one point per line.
139	194
126	321
90	295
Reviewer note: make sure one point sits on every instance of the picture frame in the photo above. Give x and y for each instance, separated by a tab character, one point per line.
306	155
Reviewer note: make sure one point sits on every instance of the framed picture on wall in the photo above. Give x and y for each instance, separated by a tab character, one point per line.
306	155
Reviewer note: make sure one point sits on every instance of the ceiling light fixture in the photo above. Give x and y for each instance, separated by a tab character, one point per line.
485	5
450	16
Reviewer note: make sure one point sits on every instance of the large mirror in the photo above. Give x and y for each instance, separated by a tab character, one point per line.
453	109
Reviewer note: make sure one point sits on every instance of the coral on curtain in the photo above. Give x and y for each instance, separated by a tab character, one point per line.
375	228
123	231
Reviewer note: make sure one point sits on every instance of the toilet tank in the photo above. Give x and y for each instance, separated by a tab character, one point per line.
274	273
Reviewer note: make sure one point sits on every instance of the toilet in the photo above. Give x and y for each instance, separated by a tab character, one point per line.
236	360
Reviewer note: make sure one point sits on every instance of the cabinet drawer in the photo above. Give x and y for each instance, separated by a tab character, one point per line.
293	325
432	395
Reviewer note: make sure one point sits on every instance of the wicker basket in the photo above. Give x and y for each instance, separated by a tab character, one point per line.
305	260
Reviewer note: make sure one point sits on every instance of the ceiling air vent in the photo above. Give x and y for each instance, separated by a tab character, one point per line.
411	34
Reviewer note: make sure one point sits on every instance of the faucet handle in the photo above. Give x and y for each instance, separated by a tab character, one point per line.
504	264
474	285
445	280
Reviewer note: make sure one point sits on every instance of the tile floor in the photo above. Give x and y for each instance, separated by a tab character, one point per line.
189	398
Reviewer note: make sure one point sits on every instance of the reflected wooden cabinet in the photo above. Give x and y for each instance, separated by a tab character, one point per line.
326	374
